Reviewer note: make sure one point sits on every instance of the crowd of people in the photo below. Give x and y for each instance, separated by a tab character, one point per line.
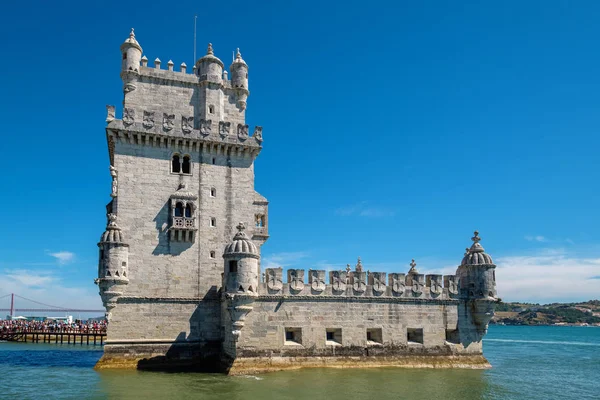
52	326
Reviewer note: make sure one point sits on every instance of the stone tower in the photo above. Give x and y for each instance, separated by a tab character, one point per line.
182	161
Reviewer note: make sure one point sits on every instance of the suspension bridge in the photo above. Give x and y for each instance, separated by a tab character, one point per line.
42	307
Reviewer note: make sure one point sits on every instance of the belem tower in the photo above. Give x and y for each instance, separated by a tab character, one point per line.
179	268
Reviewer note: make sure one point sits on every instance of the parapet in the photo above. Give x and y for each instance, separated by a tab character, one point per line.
345	283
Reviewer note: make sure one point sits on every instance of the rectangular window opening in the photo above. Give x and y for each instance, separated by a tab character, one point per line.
213	222
414	335
233	266
374	336
333	337
293	336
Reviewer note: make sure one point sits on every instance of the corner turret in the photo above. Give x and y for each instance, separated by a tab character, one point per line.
239	80
210	68
477	280
131	52
241	264
112	264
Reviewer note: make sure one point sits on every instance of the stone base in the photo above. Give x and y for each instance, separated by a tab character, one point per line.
256	365
200	357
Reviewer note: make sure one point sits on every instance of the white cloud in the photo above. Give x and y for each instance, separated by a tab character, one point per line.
362	209
538	238
29	278
551	275
63	257
285	259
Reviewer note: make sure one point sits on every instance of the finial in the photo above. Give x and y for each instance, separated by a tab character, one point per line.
112	220
210	49
359	265
238	55
240	227
347	267
466	251
476	238
413	263
132	34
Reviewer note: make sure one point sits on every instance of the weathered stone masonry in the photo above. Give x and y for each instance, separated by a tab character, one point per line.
181	293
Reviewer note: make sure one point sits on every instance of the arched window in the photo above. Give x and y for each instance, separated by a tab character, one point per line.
176	164
188	211
213	192
186	165
179	210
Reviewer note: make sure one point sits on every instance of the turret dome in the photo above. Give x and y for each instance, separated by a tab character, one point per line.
241	244
476	255
131	42
113	233
238	60
210	57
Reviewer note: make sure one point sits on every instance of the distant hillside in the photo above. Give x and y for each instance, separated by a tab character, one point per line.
586	313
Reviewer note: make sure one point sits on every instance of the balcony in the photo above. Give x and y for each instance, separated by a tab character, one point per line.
184	223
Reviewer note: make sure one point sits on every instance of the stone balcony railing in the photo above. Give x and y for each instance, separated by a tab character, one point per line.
184	223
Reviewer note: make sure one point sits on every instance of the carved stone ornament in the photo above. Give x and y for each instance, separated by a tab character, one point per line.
205	127
274	280
452	284
338	280
242	132
317	280
148	120
168	121
398	283
113	174
359	281
416	287
435	287
224	128
187	124
296	279
129	87
128	116
258	134
378	281
110	113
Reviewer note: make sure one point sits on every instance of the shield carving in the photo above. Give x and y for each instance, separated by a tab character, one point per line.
205	127
451	282
338	281
398	283
417	284
296	279
435	284
187	124
242	132
258	134
274	279
317	280
224	129
168	121
148	119
128	116
377	281
359	281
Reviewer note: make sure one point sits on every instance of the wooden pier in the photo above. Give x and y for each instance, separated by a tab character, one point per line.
90	337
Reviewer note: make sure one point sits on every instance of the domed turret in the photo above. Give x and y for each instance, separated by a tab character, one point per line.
112	264
239	79
241	264
210	68
131	54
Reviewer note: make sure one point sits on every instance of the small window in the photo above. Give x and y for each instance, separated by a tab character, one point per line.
213	192
333	336
374	336
260	220
186	165
124	56
211	109
414	335
176	164
452	336
179	210
188	211
293	336
212	254
233	266
214	161
124	264
213	222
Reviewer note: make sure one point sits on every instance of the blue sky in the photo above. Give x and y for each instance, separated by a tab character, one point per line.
392	131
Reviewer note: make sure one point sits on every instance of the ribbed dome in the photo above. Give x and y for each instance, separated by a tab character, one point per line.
476	255
241	244
113	233
130	41
210	57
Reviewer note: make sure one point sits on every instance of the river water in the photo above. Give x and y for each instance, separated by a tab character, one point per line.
528	363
